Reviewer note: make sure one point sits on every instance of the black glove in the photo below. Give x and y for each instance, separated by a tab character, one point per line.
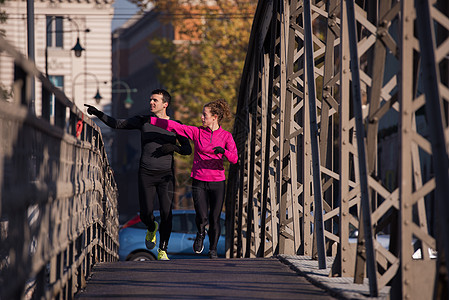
218	150
168	148
91	110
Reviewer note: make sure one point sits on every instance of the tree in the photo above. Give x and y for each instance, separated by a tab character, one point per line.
207	60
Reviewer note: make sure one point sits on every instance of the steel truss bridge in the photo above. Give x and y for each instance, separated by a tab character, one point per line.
342	126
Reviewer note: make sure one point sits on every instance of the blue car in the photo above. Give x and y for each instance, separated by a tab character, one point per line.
132	238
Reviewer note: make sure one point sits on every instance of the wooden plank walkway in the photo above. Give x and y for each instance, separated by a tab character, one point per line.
254	278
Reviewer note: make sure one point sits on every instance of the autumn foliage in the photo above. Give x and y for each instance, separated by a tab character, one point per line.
205	60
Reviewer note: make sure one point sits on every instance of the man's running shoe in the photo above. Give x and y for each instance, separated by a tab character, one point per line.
198	243
162	255
213	254
150	239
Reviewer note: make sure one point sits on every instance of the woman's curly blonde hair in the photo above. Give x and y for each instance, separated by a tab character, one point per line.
220	108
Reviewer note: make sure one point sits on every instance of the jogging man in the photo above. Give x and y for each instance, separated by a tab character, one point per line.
156	170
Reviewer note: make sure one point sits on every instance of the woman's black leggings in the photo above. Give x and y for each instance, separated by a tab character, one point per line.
208	194
160	183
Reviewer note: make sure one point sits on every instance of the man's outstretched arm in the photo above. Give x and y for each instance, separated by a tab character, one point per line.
131	123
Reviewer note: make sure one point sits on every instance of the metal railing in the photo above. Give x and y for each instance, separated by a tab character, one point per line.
58	201
371	148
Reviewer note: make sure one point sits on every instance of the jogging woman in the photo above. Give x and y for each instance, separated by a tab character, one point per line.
211	144
156	170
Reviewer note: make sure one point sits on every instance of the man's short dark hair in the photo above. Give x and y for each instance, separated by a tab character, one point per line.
165	95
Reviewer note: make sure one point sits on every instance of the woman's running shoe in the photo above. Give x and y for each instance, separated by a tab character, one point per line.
213	254
198	243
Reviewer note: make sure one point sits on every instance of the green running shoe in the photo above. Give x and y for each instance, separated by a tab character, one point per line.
162	255
150	239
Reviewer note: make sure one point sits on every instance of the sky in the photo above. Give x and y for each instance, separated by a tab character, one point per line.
123	11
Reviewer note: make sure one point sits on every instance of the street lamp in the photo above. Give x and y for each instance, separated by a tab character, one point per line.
97	96
128	101
77	49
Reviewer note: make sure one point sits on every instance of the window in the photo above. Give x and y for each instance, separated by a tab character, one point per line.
54	31
58	81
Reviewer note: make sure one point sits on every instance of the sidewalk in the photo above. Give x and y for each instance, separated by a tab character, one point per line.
341	287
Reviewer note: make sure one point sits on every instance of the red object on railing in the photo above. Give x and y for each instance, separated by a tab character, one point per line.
79	126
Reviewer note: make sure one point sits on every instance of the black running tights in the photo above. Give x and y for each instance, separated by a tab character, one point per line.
208	194
160	183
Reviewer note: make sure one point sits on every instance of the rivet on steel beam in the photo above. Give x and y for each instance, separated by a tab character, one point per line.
344	259
407	282
344	248
406	267
344	270
406	222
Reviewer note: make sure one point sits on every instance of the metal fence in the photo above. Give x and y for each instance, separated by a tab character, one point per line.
58	201
342	132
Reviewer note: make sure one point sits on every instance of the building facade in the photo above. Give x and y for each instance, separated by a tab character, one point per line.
59	27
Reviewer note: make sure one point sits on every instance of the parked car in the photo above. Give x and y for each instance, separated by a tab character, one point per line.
384	240
132	238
